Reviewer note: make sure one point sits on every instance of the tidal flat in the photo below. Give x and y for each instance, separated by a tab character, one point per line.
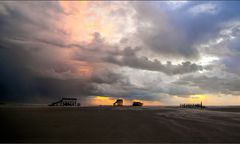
120	124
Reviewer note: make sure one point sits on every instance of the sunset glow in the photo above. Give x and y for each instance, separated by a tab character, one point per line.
101	100
197	98
108	101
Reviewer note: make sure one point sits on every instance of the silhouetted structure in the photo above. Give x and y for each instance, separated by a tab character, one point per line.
119	102
66	102
137	104
192	106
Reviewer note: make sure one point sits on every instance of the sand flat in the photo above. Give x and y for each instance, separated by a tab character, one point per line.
118	124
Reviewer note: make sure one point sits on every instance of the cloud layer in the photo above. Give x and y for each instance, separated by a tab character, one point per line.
158	51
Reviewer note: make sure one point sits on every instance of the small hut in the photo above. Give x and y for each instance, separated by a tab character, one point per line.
119	102
137	104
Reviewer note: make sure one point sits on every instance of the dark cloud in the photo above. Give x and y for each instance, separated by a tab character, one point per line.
127	91
31	69
176	33
40	25
213	84
102	52
106	77
156	31
146	64
19	82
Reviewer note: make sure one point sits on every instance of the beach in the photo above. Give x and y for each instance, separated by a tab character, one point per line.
120	124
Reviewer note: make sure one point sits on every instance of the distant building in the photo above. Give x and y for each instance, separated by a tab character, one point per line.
137	104
192	106
119	102
66	102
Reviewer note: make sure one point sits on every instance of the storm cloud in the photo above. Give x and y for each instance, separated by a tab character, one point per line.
153	51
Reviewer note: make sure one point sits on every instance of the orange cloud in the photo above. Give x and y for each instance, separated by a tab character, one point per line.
82	19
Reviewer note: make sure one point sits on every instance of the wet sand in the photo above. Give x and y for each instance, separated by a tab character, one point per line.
120	124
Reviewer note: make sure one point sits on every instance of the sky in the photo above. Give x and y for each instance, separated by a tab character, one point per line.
156	52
